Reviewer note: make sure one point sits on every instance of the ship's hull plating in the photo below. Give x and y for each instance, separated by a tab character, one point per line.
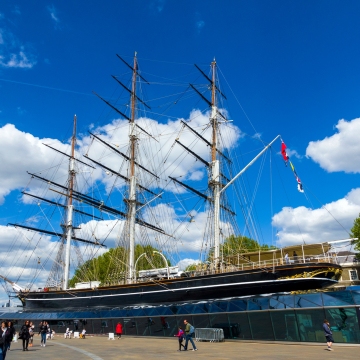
239	283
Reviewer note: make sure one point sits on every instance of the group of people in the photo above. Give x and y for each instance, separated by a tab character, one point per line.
287	259
27	332
187	335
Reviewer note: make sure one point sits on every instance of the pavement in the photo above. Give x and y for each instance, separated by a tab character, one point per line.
100	348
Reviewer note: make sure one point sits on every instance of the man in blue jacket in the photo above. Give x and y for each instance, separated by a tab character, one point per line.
328	334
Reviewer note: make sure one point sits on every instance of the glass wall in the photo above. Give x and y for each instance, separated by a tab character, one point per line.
276	317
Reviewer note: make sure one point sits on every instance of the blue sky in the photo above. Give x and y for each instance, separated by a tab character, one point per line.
293	66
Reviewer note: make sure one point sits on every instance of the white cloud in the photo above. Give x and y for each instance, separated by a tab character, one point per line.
339	152
13	54
21	152
319	225
183	264
293	153
54	16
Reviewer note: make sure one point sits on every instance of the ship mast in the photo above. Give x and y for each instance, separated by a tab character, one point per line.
69	209
132	188
215	166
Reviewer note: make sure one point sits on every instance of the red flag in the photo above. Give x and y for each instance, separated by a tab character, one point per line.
283	152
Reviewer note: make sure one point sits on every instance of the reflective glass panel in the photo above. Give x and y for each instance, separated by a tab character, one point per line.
198	310
344	324
260	325
282	302
310	325
151	311
201	321
146	325
239	326
308	300
237	305
215	309
258	304
165	311
356	296
337	298
285	325
130	326
221	321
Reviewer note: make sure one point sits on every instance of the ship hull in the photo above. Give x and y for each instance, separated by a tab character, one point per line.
240	283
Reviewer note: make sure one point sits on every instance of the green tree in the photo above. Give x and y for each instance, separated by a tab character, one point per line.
355	233
239	244
110	267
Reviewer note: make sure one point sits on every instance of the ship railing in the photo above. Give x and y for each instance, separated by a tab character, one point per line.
224	268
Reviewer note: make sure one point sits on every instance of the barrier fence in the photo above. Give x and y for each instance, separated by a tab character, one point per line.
209	334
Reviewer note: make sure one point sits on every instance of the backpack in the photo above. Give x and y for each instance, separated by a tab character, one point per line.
192	329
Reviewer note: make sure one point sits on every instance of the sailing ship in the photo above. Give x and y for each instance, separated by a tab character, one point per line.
232	275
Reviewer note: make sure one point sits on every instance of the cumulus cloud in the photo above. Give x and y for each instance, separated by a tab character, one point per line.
13	54
21	152
339	152
183	264
317	225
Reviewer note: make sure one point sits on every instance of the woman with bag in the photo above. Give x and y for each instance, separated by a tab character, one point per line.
25	335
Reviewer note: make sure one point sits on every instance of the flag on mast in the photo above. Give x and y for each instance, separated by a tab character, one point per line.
287	160
284	153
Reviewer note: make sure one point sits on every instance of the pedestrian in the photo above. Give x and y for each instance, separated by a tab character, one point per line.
5	338
328	334
3	345
189	331
83	333
180	336
43	331
295	256
11	333
119	330
31	332
287	261
25	335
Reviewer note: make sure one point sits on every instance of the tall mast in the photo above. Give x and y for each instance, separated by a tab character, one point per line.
132	177
215	167
69	209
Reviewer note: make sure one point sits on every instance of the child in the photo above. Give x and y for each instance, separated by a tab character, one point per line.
83	334
180	336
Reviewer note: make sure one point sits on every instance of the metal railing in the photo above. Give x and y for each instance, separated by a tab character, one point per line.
207	269
209	334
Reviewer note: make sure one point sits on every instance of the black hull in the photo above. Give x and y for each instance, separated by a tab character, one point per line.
285	278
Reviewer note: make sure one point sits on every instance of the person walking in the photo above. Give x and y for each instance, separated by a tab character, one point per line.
189	331
295	257
31	332
119	330
11	334
43	331
328	334
25	335
180	336
3	345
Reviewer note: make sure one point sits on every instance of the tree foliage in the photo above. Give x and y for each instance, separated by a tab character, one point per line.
355	233
239	244
111	268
